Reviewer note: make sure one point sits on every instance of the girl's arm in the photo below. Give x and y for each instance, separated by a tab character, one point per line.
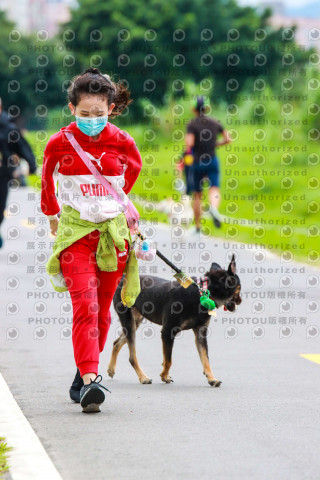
133	166
49	202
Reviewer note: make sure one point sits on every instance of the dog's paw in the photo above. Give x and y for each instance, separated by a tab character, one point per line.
145	380
215	383
111	372
166	379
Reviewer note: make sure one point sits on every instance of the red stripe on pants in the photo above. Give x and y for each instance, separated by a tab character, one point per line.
91	291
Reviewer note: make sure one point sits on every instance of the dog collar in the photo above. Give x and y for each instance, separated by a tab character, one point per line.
203	285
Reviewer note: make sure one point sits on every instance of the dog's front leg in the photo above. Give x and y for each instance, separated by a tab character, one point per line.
167	336
131	340
117	345
202	346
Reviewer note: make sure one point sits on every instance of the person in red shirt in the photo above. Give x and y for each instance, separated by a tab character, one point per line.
93	99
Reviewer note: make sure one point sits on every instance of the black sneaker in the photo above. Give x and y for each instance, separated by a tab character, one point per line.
216	217
91	395
216	222
76	387
22	181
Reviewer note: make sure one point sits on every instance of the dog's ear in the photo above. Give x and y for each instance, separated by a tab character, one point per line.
232	266
215	266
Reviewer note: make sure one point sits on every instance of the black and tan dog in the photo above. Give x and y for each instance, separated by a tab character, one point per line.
175	308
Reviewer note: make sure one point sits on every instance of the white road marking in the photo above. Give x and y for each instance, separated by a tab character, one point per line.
28	460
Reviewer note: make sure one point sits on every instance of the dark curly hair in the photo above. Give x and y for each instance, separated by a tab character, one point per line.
94	82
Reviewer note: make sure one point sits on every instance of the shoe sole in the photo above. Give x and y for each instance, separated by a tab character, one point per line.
92	408
91	400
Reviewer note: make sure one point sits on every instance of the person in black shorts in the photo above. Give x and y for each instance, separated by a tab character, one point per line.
202	132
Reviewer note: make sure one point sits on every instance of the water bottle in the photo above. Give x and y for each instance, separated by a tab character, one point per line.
145	252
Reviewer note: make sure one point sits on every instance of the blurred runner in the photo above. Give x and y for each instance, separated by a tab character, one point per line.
201	162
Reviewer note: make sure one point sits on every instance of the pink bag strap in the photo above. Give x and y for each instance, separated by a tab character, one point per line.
130	210
95	172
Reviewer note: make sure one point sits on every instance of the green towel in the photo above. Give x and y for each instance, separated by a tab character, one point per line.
114	231
131	284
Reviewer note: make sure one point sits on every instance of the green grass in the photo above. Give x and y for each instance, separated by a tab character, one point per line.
4	449
294	181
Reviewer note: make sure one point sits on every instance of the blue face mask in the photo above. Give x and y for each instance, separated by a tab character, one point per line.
91	125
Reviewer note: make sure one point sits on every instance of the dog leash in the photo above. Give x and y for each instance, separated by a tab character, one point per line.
184	279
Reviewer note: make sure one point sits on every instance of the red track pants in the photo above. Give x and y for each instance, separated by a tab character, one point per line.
91	292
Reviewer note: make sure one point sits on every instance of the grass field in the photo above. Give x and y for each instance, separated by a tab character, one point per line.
269	176
4	449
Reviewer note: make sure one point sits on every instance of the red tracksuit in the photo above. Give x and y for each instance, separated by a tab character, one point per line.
116	156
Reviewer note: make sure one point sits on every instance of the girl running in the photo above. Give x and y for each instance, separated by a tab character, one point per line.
93	239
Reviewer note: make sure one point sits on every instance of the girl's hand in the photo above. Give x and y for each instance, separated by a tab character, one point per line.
132	224
16	172
54	226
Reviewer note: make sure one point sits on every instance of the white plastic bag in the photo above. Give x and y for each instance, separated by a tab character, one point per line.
58	280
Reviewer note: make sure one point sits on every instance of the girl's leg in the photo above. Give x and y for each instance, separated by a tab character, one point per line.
78	265
107	285
104	325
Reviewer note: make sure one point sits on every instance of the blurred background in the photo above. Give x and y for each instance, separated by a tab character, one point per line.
257	63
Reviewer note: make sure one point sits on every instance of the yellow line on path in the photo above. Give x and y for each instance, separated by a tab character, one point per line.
313	357
24	222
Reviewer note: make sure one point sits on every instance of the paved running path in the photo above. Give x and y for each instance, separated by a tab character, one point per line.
262	423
